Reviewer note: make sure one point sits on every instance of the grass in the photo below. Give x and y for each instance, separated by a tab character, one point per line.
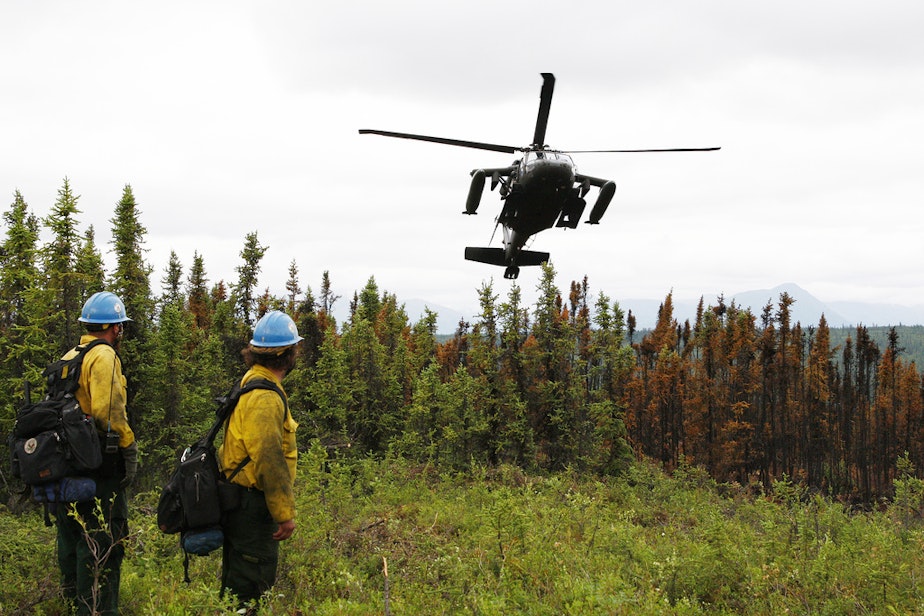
499	541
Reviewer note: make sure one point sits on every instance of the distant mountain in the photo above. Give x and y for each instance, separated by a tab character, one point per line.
879	314
447	319
807	309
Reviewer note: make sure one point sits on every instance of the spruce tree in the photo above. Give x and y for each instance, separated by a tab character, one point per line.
369	422
130	280
368	303
248	276
91	274
61	298
293	291
197	294
169	367
22	342
324	393
515	439
172	282
483	363
328	298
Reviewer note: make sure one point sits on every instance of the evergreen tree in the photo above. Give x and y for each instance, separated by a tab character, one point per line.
736	437
556	407
172	282
198	300
911	398
22	341
654	416
229	334
482	362
368	303
422	342
248	274
422	432
515	440
91	274
819	419
267	302
131	277
393	331
324	393
169	358
610	369
61	302
370	418
130	281
786	359
293	290
311	326
328	298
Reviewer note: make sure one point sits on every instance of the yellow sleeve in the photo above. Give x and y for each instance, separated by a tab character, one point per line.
265	442
102	381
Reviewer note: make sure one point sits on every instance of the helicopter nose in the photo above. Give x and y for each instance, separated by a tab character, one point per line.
549	172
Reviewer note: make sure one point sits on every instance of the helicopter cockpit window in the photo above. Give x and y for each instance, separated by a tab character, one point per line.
558	157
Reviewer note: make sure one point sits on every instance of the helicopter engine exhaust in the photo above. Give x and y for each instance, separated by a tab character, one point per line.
474	192
603	201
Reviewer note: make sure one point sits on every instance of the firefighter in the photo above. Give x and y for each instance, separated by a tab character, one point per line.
262	429
101	393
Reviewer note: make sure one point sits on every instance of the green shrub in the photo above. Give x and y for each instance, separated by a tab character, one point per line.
499	541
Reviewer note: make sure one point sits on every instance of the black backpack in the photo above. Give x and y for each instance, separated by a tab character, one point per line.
54	443
196	495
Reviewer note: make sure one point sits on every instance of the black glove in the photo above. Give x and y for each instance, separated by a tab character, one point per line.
130	457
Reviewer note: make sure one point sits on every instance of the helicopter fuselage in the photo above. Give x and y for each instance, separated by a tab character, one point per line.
538	192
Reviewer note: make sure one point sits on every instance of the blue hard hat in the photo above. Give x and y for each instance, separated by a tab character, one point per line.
274	330
102	308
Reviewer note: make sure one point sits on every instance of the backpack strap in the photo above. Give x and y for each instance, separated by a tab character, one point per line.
228	403
63	376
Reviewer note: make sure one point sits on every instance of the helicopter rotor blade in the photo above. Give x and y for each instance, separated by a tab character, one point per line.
457	142
636	151
545	103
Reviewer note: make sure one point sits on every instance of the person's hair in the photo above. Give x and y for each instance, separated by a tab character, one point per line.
98	327
283	361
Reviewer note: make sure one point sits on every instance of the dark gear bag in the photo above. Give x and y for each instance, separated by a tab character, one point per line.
53	438
191	502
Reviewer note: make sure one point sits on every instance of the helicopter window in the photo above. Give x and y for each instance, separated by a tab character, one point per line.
551	156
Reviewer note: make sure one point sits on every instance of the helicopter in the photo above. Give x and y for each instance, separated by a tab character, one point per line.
540	189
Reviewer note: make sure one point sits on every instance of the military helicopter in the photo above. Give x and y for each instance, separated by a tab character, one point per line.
541	189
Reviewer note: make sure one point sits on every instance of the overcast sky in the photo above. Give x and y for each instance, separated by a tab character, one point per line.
229	117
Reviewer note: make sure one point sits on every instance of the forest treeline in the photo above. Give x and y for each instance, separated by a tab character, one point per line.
566	382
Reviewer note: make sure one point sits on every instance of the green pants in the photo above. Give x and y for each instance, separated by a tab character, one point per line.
90	560
250	555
